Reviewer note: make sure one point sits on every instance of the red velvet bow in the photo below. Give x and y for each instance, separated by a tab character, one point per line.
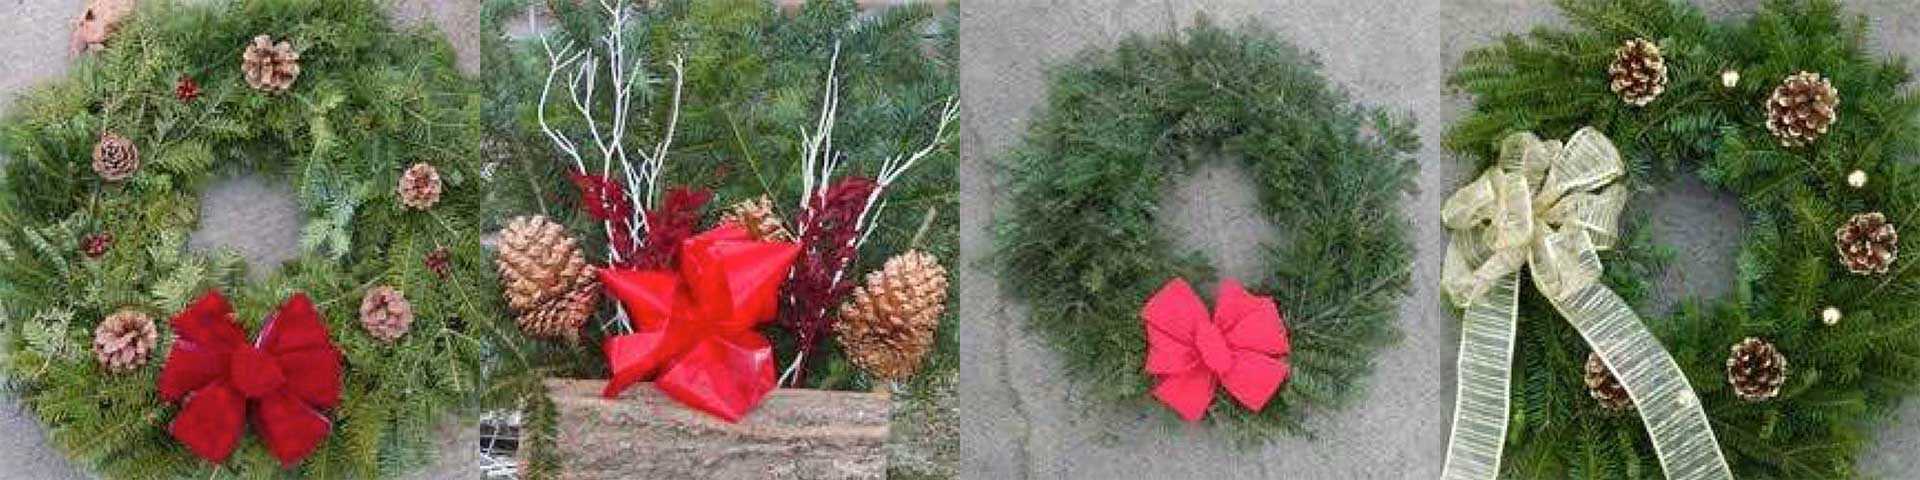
285	378
695	328
1243	347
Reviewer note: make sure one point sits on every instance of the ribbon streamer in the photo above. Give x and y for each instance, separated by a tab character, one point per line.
1551	208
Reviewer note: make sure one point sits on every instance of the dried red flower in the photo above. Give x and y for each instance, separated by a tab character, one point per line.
827	247
440	262
675	220
185	89
97	244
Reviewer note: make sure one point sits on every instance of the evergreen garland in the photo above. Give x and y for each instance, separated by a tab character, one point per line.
1082	245
370	101
1843	378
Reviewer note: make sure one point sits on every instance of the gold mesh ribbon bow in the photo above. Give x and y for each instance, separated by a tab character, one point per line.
1550	208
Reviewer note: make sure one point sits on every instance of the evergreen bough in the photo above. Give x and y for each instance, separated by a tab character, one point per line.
1844	378
369	102
1082	245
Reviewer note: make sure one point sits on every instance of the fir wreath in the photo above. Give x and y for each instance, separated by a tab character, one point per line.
1846	336
1081	245
368	102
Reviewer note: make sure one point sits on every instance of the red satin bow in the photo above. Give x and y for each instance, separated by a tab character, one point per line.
1243	347
695	328
284	379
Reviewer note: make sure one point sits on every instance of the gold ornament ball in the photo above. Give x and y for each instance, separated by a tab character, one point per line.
1830	316
1857	179
1730	78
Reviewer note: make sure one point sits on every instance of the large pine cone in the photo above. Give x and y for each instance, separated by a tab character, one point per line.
270	67
546	278
758	217
420	186
562	317
1638	73
1604	387
1801	109
887	327
385	313
1756	370
122	341
115	157
1867	244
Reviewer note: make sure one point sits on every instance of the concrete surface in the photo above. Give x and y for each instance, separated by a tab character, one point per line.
33	35
1022	420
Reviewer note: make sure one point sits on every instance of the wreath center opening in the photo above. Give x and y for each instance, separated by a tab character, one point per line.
1704	226
1213	207
252	215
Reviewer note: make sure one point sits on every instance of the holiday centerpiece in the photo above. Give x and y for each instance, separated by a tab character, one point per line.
1563	371
147	360
678	247
1082	245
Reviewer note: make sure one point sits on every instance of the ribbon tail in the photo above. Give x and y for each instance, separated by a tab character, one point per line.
1484	383
1681	434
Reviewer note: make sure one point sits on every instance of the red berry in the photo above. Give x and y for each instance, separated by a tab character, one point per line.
97	244
185	89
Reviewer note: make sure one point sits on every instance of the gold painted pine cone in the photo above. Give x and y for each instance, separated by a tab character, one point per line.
385	313
1867	243
1801	109
270	67
545	277
887	326
123	341
1638	73
115	157
1756	370
759	218
1604	387
562	317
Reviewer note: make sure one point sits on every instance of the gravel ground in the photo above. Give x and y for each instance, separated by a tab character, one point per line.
1023	420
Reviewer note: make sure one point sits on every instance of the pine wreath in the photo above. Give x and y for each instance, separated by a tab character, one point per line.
1081	247
1821	164
86	232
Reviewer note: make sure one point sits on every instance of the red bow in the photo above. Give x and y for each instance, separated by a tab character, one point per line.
285	378
1243	347
695	327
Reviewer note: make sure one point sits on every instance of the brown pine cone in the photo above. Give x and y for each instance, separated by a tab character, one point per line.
887	326
1756	370
270	67
1867	244
420	187
561	317
115	158
385	313
758	217
1604	387
1638	73
1801	109
122	341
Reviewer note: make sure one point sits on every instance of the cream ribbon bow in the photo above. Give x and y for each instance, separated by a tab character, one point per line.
1552	208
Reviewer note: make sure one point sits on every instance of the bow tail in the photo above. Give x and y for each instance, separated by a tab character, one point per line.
726	376
632	358
210	422
1681	434
290	429
1484	381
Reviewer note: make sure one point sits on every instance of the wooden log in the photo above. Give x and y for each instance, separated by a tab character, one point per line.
795	434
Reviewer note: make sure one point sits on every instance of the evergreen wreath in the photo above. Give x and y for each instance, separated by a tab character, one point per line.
364	103
1081	246
1845	337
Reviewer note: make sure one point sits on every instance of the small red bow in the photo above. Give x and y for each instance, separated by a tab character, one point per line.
1243	347
695	328
284	379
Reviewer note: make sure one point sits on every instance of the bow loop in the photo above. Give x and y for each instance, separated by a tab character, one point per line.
283	380
1241	347
1538	190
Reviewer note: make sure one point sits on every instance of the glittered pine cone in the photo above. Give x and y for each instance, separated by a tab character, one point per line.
1801	109
1604	387
1756	370
385	313
1638	73
420	186
270	67
1867	244
887	326
115	157
123	341
759	218
561	317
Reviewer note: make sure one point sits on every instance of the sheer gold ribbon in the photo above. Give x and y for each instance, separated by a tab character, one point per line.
1551	207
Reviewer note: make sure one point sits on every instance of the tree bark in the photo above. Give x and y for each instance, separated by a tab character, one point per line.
795	434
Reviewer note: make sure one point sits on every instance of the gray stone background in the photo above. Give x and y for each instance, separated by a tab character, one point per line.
1021	419
254	215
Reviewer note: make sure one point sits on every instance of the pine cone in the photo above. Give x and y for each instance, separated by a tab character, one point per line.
1801	109
1604	387
887	326
122	341
420	187
1638	73
115	158
1756	369
270	67
385	313
440	262
758	217
1867	243
562	317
